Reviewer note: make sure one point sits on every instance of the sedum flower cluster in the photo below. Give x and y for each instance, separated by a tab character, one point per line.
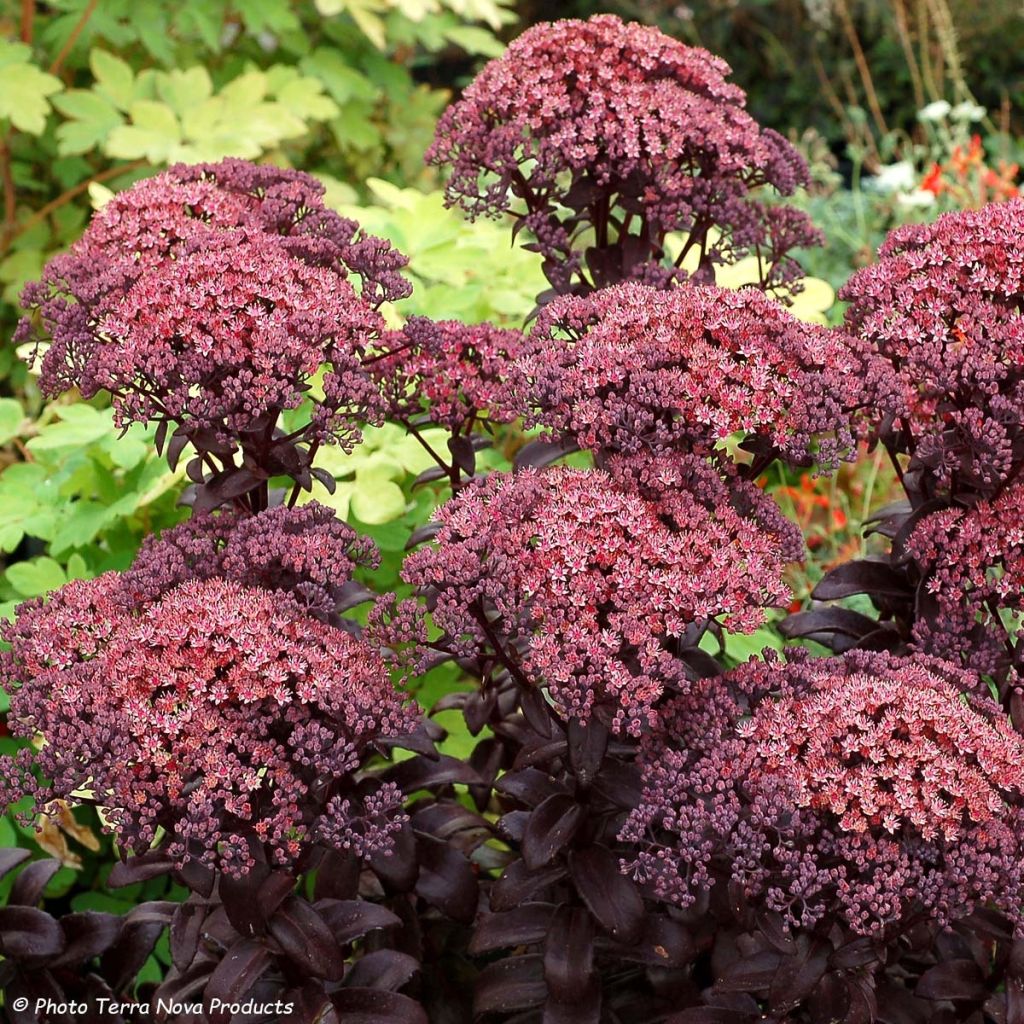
216	712
622	136
632	368
942	309
211	296
868	789
601	581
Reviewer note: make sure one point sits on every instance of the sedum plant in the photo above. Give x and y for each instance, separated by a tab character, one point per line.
632	823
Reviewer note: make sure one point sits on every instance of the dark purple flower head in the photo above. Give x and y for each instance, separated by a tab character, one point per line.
598	582
631	368
973	563
210	295
217	712
867	789
305	552
942	307
455	373
623	130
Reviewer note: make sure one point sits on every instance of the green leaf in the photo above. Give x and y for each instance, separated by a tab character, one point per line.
11	418
476	41
304	98
84	519
94	117
24	95
182	91
79	425
36	577
154	133
114	78
377	498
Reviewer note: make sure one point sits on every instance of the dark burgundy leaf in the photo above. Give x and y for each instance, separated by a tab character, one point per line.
160	437
10	858
306	939
327	479
337	876
664	943
861	577
519	884
385	969
28	932
445	820
424	772
538	454
428	476
140	931
750	974
522	926
240	898
536	710
954	979
349	920
397	870
529	786
463	454
512	826
350	594
175	448
235	975
186	927
184	986
551	826
197	877
516	983
422	533
569	954
374	1006
798	975
139	869
827	620
28	887
585	1009
771	926
619	784
611	897
587	746
446	879
87	934
712	1015
857	953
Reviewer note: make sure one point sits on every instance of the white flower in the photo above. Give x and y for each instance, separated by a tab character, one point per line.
898	177
936	111
967	112
920	197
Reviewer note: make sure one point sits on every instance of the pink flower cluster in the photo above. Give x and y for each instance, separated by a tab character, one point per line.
601	582
631	368
211	295
624	130
456	374
305	552
942	309
218	712
973	562
870	788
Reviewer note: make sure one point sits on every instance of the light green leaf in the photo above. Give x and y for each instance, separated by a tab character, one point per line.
114	78
94	117
11	418
182	91
154	133
83	521
377	498
476	41
79	425
304	98
23	98
36	577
